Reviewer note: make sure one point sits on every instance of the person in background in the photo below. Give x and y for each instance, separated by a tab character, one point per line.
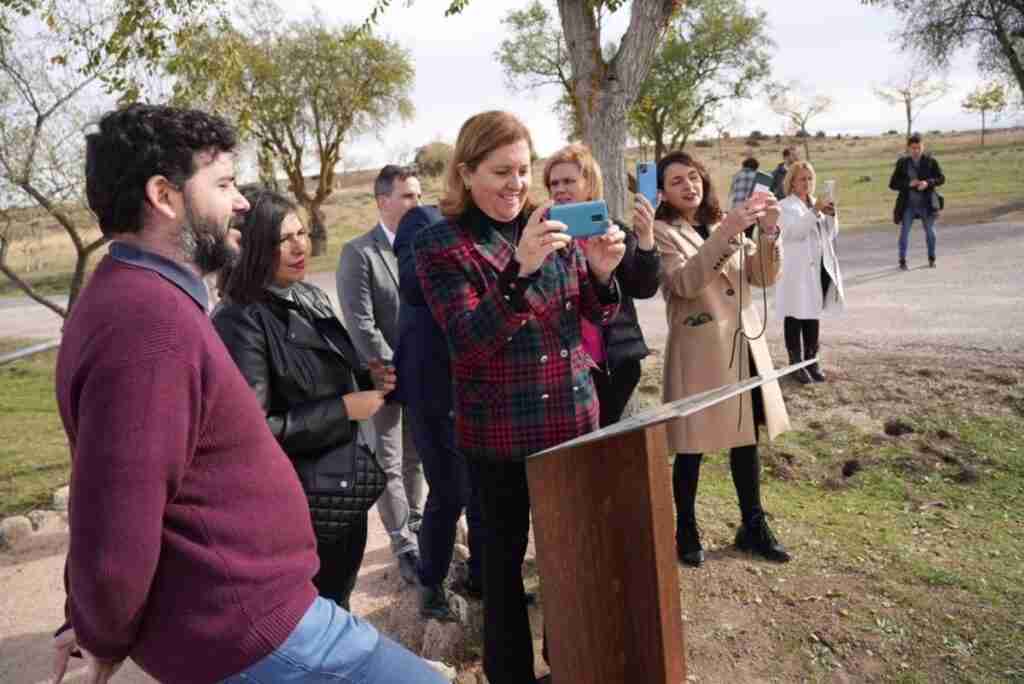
743	182
367	279
811	284
191	546
425	390
707	269
789	155
508	288
915	178
296	355
572	175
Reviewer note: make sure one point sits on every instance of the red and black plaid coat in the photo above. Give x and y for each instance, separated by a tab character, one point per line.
521	380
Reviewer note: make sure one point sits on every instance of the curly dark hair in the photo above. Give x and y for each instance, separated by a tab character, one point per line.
710	211
140	141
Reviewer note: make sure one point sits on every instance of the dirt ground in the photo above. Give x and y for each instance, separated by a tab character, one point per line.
956	331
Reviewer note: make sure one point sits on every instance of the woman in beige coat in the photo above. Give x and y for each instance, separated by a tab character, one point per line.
707	268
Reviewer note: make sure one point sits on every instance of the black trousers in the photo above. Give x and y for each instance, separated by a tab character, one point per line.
340	559
505	510
796	328
447	475
614	388
745	466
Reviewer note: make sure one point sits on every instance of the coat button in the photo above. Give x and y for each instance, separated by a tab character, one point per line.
545	397
291	336
575	388
564	353
730	292
568	306
544	358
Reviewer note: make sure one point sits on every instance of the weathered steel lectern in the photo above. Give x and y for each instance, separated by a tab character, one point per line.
605	532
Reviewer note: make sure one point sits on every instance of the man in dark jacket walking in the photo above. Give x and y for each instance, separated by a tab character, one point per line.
915	178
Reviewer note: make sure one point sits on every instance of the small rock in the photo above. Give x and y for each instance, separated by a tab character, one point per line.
448	673
48	522
967	474
851	467
466	678
60	498
895	427
14	530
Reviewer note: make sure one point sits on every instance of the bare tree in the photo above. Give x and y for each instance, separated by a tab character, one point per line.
798	105
914	91
42	114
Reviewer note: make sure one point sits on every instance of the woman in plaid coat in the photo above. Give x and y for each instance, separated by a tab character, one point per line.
508	288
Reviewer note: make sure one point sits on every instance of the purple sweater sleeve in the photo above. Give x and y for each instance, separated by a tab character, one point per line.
137	430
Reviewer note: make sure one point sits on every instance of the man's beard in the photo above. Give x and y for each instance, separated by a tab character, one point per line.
204	242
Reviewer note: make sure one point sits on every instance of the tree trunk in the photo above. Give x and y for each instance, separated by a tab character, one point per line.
659	150
317	228
807	147
982	127
605	91
910	119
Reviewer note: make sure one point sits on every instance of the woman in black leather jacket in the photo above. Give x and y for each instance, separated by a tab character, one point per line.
297	356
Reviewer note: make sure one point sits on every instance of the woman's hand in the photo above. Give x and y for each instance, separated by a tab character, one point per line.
540	238
383	375
745	215
825	206
96	671
363	405
605	252
643	222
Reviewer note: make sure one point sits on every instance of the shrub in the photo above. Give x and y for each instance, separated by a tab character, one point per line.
703	143
892	131
820	135
778	139
725	135
757	135
802	134
432	159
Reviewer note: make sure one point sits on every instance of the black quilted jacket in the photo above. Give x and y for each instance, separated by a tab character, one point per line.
298	358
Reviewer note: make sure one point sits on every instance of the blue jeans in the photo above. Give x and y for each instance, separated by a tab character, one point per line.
927	219
331	645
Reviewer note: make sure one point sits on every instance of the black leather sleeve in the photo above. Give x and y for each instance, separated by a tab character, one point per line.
304	428
639	272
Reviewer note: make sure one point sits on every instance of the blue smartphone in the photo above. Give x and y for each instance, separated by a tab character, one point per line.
582	219
647	181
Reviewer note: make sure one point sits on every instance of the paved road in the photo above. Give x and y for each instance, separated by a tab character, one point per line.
970	302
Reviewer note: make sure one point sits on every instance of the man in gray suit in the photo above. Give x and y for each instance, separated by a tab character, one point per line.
367	280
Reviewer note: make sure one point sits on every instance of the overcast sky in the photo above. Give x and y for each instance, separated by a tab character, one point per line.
838	47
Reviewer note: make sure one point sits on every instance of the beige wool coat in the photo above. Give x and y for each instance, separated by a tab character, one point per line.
701	283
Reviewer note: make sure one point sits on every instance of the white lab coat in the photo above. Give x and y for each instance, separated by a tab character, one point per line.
808	241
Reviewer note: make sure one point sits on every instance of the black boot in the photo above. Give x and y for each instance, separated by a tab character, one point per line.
434	604
688	546
800	375
903	265
814	370
754	536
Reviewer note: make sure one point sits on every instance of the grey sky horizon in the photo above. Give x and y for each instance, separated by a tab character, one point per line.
842	51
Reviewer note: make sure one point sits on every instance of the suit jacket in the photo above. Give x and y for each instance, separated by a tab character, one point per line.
700	280
900	182
367	281
522	379
421	357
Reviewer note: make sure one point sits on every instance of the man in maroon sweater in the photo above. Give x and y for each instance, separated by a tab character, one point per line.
192	550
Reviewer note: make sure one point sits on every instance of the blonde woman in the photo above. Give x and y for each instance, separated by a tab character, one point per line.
707	269
573	175
811	284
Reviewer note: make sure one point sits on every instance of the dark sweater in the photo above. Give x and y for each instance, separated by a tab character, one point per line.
192	550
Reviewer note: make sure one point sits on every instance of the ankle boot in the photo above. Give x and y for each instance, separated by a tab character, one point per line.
801	375
688	546
434	604
754	536
814	370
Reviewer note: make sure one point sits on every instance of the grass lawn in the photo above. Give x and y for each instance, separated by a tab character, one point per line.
982	183
33	449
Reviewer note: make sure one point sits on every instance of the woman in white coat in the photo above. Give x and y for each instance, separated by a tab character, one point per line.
811	284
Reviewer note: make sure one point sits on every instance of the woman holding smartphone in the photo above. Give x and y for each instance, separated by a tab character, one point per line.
509	287
573	175
708	266
298	358
812	284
